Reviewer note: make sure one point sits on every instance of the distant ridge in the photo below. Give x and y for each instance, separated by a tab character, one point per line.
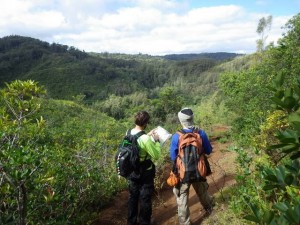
220	56
65	71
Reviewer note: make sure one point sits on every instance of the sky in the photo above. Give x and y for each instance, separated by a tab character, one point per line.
153	27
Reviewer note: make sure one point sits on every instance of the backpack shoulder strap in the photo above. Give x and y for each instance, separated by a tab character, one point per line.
140	134
197	131
181	132
137	135
194	130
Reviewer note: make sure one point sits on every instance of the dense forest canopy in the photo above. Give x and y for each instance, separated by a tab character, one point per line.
66	71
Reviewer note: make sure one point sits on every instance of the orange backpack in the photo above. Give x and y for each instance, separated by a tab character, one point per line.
190	161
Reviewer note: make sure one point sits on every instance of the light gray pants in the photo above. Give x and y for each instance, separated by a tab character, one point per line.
182	196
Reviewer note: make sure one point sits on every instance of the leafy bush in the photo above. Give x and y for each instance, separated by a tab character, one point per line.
269	179
56	157
281	184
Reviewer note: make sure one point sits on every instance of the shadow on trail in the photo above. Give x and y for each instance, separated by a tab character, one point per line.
166	212
164	204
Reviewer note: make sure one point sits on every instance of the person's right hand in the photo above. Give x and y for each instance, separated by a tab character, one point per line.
154	135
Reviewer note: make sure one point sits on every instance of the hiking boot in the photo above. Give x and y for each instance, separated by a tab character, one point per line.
153	222
208	211
213	201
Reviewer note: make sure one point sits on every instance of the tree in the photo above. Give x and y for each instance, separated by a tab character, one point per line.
57	170
264	25
20	158
169	102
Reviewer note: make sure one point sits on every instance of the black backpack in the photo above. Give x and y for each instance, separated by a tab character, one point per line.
127	157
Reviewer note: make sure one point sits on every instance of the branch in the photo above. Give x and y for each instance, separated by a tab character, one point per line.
11	109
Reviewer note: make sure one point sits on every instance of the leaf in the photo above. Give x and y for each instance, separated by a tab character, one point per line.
279	80
252	218
292	168
276	146
297	89
273	89
255	210
287	134
25	173
291	215
288	92
289	179
295	156
268	217
271	177
270	187
289	102
281	206
295	119
279	94
296	125
278	101
280	174
290	148
294	116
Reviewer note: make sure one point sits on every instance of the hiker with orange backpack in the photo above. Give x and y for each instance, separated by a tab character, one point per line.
187	150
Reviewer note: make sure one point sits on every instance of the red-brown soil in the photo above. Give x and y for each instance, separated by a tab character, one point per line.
164	202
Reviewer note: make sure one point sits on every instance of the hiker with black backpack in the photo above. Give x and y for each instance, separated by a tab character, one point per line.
187	150
141	176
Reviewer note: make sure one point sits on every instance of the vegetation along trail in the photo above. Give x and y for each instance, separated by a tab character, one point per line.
165	208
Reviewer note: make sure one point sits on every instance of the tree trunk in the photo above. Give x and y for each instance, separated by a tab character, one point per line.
22	199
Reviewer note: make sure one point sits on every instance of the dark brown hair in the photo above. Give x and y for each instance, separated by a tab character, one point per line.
142	118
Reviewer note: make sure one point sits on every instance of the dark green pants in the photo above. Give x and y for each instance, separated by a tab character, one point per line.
140	199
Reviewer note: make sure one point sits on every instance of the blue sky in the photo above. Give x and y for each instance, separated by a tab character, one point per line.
154	27
274	7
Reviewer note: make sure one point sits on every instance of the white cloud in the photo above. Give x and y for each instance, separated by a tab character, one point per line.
154	27
276	29
220	14
155	3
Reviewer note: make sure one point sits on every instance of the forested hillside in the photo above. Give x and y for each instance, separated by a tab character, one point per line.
63	113
66	72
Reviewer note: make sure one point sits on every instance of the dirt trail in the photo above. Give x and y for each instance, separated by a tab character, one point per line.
165	207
